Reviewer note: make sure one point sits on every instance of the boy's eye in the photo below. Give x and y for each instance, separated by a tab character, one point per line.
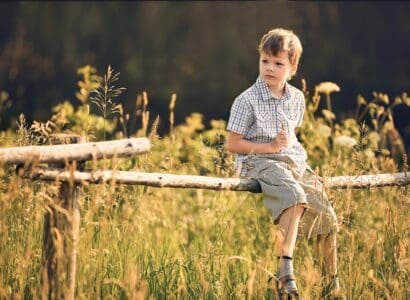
264	61
279	64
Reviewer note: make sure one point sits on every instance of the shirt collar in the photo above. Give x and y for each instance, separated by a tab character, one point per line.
265	92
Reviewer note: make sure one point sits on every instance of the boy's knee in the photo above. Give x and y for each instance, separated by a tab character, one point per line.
279	235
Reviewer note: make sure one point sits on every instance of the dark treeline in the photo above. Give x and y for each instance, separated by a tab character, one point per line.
205	52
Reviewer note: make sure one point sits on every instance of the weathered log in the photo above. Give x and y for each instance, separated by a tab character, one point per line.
70	152
212	183
367	181
60	236
148	179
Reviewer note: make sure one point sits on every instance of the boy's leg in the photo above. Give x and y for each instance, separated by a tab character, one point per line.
286	201
288	230
327	248
285	245
330	254
320	221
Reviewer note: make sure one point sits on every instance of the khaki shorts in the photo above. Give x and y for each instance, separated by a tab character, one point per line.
284	186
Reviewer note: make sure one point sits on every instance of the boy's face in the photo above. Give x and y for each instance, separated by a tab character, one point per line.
275	70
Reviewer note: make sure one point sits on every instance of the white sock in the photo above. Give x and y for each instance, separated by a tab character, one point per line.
285	268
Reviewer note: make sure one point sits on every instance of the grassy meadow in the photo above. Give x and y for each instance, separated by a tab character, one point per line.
139	242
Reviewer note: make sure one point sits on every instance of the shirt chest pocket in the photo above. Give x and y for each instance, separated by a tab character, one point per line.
265	123
291	112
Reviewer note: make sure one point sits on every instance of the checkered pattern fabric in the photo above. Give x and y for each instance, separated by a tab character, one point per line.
259	116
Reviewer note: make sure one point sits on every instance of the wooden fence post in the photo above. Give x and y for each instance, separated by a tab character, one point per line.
60	235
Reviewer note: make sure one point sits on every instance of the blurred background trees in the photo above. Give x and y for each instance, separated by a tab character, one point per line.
205	52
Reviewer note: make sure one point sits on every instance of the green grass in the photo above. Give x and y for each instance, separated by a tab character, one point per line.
162	243
140	242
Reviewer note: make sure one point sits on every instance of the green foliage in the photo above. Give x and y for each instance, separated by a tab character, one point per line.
185	46
370	138
5	102
78	120
156	243
91	81
81	121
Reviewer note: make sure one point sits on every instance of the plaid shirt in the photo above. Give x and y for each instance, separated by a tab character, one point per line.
259	116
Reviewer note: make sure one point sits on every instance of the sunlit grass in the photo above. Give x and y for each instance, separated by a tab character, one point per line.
165	243
150	243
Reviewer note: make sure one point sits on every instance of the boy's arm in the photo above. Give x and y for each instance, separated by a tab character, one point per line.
237	144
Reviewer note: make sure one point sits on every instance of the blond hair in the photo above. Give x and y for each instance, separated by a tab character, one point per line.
280	39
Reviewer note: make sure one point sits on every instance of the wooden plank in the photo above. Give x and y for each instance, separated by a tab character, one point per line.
212	183
70	152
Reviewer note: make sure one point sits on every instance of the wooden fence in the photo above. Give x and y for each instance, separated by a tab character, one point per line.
62	219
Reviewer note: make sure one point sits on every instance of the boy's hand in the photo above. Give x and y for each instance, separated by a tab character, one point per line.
280	141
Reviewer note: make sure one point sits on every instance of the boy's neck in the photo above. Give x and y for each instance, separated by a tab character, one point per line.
277	92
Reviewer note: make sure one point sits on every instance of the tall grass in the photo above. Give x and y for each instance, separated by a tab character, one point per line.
140	242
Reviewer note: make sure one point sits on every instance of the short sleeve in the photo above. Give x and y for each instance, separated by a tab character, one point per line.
241	116
302	107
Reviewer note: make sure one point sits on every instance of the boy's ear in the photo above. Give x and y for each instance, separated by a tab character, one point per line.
294	69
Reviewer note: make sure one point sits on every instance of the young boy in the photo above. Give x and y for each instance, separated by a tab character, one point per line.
261	132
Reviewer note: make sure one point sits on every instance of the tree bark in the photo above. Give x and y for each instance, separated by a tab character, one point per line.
212	183
70	152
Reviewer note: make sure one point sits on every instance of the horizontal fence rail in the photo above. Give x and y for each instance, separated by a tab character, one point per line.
212	183
369	180
80	152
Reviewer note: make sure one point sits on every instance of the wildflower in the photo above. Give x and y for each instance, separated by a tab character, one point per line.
328	114
327	87
397	101
406	99
361	100
345	141
382	97
373	139
324	130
